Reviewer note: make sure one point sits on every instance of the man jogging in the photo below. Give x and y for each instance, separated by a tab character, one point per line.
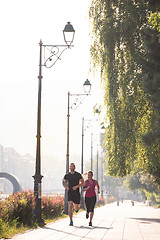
72	182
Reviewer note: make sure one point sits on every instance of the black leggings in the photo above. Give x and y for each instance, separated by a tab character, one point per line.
90	203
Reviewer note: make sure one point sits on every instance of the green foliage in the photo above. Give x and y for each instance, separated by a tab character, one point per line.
97	109
153	5
154	20
126	47
145	186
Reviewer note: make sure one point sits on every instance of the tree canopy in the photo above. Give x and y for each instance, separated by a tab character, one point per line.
126	47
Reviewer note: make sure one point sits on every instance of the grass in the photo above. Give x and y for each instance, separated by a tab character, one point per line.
11	230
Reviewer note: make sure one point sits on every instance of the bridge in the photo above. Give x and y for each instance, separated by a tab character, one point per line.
13	180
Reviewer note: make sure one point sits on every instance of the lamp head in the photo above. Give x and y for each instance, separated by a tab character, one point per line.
68	34
87	86
103	129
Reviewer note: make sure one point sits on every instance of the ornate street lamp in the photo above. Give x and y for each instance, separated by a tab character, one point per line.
78	100
54	54
87	86
68	34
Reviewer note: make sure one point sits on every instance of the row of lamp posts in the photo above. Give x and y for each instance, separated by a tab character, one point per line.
54	55
97	155
77	102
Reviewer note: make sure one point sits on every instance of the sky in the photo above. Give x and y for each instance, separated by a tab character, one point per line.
23	24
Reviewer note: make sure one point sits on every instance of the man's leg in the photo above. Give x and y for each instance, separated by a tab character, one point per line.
76	206
76	201
70	209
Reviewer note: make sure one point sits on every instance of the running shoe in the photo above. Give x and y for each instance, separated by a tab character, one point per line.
87	215
71	223
90	223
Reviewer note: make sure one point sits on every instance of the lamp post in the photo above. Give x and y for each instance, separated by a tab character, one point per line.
102	160
97	162
78	101
82	200
82	162
83	126
53	56
82	145
91	151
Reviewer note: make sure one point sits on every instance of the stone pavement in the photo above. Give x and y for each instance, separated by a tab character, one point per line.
112	222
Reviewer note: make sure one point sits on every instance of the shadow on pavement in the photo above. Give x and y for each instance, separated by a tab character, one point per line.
145	220
93	227
62	231
74	233
86	227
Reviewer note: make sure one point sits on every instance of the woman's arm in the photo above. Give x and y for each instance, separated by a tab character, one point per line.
85	188
97	185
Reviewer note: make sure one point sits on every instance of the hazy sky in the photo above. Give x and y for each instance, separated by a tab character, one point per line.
23	24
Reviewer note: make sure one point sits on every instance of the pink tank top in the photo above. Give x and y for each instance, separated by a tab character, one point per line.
91	191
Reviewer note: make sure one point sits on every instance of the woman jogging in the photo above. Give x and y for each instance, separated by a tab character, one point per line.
90	195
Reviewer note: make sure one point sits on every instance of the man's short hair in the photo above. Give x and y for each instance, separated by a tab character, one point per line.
73	164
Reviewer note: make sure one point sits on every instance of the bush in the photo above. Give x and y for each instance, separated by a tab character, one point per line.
52	206
18	206
17	209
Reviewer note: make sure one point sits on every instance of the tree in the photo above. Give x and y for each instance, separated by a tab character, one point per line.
126	47
144	186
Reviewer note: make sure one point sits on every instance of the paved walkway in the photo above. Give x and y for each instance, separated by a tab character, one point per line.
112	222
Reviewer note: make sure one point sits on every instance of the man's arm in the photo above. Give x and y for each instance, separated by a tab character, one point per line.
65	184
81	181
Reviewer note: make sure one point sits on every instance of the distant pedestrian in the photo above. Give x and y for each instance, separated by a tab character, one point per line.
72	182
90	195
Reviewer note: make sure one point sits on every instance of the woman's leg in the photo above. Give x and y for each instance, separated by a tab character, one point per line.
92	205
87	204
91	216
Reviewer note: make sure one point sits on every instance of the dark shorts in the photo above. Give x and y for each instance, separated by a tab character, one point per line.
74	196
90	203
